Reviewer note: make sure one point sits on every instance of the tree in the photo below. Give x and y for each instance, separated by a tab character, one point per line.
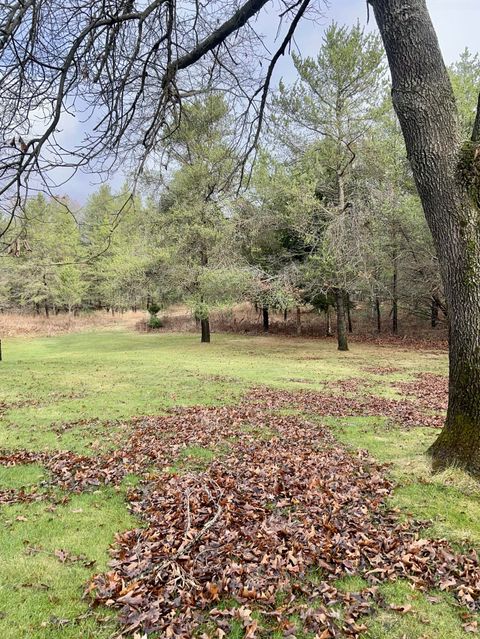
465	78
131	67
70	287
332	104
273	229
44	274
192	210
446	170
400	265
106	234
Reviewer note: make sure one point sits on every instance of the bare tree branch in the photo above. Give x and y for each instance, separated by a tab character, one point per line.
120	73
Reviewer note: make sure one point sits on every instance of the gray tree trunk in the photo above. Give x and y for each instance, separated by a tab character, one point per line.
299	321
341	327
424	102
329	322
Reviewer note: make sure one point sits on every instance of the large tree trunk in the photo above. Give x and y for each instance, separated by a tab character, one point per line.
341	328
205	330
424	102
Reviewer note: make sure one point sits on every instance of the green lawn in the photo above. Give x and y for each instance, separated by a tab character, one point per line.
77	391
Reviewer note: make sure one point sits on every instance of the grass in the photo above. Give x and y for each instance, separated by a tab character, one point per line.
113	375
77	391
21	476
193	458
40	597
424	619
450	499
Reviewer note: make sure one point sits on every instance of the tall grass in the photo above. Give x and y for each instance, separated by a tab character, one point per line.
19	324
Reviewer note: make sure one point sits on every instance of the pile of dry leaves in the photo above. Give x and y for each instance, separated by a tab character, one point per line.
403	412
429	390
267	526
262	521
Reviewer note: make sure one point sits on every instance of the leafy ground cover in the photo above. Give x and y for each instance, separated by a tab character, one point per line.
245	516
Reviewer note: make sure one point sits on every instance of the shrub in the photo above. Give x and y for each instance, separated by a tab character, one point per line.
153	308
154	322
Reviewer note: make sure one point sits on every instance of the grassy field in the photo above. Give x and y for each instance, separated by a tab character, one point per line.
77	392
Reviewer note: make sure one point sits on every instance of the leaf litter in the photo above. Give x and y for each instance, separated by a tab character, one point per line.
263	532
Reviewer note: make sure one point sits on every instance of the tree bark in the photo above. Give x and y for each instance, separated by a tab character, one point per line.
205	323
434	313
349	315
424	101
378	314
266	320
395	296
299	321
341	328
329	322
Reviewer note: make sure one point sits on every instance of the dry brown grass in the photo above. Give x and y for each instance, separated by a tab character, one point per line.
24	325
243	318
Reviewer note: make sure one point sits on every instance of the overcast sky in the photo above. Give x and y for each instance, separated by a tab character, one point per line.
457	24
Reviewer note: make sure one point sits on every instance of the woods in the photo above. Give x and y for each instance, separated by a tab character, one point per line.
302	194
325	133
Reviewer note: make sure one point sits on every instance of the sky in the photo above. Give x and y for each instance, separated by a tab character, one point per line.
456	23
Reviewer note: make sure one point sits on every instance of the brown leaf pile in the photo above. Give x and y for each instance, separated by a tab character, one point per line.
350	385
381	370
155	443
17	495
403	412
268	525
258	522
429	390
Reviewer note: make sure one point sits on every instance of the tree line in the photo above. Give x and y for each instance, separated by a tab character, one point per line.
331	215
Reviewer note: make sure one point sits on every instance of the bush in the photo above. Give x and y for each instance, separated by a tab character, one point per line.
154	322
153	308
